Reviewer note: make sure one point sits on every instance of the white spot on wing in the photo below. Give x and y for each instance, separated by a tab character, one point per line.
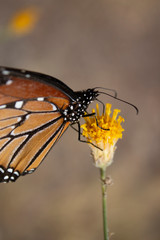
18	104
54	107
9	82
5	72
12	133
40	98
27	75
2	106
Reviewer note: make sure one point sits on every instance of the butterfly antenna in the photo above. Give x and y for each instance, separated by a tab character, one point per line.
108	89
119	99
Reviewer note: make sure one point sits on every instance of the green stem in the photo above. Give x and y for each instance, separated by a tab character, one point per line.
104	202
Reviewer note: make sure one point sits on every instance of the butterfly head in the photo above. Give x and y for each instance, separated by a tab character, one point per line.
77	109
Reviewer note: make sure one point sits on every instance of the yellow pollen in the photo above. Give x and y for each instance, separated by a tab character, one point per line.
108	129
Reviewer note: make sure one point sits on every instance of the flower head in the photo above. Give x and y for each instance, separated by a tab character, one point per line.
103	133
24	21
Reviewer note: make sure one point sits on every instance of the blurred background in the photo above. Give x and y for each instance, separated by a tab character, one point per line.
114	44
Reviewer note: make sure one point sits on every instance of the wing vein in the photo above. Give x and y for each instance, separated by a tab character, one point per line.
58	131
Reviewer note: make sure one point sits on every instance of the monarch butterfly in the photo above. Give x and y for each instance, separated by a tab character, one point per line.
35	110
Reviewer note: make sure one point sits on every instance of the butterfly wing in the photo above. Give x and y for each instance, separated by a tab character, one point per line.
21	83
29	126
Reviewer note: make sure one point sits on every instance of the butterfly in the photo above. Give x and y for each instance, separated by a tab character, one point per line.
35	110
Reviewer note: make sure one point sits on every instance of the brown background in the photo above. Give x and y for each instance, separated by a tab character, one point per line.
88	43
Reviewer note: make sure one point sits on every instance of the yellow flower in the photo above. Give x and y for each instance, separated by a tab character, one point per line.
104	135
24	21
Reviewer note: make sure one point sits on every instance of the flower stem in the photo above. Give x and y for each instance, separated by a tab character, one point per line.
104	202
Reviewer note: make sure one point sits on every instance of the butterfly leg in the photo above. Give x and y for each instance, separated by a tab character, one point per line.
74	128
83	141
106	129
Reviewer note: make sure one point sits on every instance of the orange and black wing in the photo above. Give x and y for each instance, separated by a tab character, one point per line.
27	135
30	122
